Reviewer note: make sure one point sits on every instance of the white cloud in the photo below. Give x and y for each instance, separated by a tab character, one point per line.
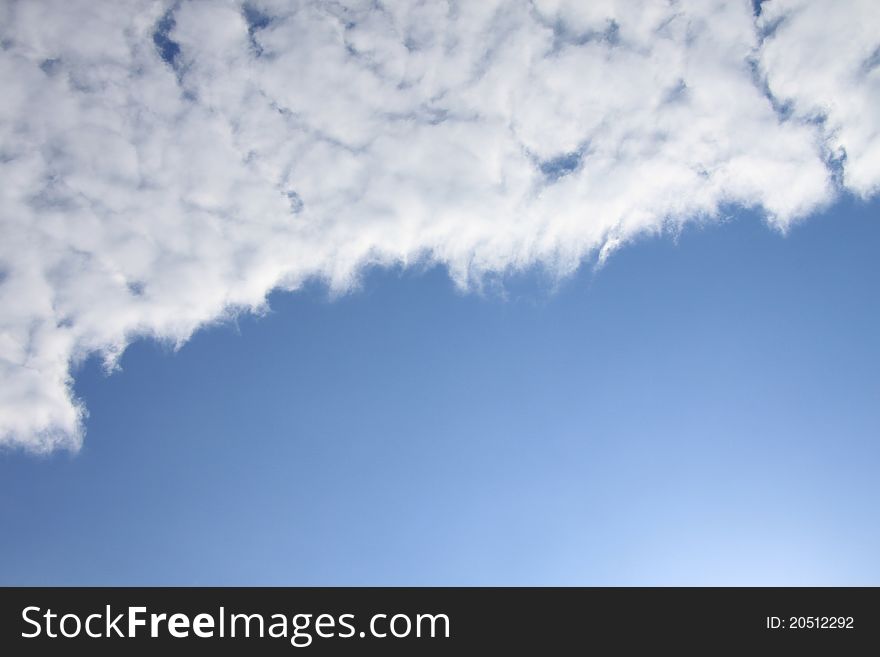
836	83
145	195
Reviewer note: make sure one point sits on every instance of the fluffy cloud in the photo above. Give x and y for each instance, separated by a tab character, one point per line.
165	165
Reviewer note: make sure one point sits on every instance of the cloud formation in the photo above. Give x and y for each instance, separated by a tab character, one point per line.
164	164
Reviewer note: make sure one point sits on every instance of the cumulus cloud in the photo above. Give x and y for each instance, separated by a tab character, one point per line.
163	165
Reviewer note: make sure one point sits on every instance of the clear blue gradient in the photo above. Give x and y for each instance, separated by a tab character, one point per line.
703	410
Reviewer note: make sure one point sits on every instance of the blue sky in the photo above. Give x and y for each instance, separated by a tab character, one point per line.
701	410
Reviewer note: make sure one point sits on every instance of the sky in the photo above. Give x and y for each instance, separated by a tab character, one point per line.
699	411
431	279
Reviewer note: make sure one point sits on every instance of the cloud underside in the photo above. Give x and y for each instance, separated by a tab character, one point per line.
165	165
